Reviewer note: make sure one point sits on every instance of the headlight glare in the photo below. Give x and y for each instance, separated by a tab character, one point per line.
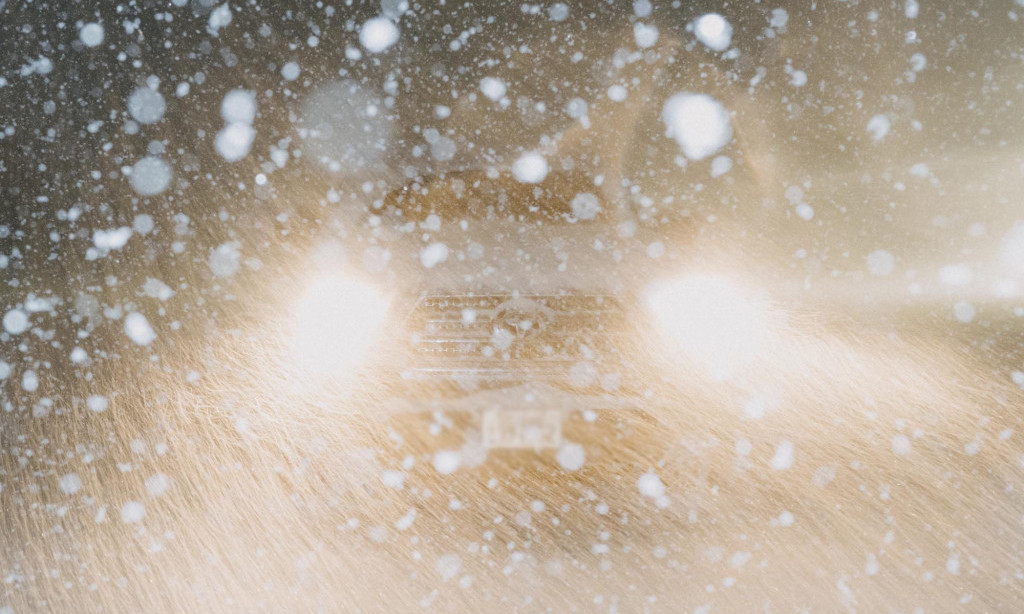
336	321
711	321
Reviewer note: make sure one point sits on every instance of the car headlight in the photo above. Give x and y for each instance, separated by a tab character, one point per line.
336	320
712	322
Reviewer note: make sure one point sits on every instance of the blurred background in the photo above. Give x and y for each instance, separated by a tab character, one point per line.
167	168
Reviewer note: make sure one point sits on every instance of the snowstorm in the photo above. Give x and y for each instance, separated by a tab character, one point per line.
683	306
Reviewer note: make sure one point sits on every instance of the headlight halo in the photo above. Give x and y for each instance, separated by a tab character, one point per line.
712	321
335	322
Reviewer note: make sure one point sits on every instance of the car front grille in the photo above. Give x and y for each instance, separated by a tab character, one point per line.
510	337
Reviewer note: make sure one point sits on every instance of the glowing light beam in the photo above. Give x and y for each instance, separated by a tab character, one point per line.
335	323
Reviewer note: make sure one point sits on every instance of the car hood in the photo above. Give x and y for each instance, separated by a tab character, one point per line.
514	256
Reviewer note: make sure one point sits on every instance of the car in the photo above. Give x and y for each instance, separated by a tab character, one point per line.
519	304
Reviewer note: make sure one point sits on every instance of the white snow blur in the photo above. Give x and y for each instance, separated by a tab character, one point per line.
645	35
493	88
1011	249
433	255
345	128
219	18
377	34
146	105
16	321
91	34
234	140
585	206
571	456
714	31
531	167
115	238
447	461
137	327
698	123
650	485
238	107
150	176
878	127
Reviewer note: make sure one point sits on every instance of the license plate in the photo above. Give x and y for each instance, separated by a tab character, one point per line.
522	428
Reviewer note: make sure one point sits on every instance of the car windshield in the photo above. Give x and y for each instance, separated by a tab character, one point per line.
561	197
472	306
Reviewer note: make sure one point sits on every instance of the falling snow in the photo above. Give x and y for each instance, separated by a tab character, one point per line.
713	31
146	105
434	254
91	35
137	327
150	176
96	403
731	277
531	167
493	88
783	457
698	123
447	461
16	321
571	456
133	512
377	34
878	127
650	485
